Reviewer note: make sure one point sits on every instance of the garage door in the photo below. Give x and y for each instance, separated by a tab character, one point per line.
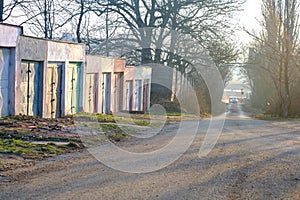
106	92
54	90
74	80
4	67
91	95
29	88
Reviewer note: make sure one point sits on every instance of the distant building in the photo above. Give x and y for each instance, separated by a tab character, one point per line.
241	91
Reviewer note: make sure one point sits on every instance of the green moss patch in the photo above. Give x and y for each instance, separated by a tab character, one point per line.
30	149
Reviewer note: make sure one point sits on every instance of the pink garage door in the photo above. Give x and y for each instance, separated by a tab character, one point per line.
91	95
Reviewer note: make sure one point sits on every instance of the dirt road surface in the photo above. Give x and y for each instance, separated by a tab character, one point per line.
252	160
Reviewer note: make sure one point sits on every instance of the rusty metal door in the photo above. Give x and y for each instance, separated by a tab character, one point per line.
54	90
4	74
29	88
91	98
74	80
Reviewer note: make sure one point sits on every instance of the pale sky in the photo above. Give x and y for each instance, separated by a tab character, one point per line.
249	19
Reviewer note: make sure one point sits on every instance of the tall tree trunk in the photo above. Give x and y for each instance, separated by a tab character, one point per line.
146	55
287	98
1	10
146	38
106	32
45	20
78	34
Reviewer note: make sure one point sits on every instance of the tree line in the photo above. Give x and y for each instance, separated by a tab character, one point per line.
273	69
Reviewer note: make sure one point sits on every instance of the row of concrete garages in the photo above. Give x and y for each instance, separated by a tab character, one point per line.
51	79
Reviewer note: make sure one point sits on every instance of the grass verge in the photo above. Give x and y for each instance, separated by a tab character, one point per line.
274	118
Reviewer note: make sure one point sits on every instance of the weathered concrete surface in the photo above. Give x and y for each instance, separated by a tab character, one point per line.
30	48
9	35
62	51
137	72
252	160
93	64
119	65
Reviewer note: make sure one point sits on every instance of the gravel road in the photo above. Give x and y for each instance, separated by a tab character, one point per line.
252	159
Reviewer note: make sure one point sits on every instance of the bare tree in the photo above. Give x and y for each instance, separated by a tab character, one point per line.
79	13
277	57
41	16
207	22
7	8
202	20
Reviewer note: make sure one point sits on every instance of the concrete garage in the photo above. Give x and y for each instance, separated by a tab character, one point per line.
137	88
46	78
9	35
104	84
65	66
29	82
50	77
111	86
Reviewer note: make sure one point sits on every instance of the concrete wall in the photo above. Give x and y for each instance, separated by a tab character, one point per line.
9	35
107	65
62	51
93	64
32	49
162	76
119	65
168	81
